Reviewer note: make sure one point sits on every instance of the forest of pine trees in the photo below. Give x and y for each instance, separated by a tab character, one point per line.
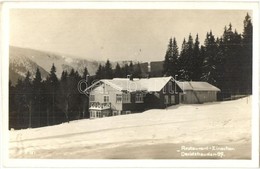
225	61
34	102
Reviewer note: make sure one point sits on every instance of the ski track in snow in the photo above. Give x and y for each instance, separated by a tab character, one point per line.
129	136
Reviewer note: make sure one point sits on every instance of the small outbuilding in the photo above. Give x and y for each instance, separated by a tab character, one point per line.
197	92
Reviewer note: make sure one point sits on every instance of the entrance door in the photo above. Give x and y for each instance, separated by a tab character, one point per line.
181	98
93	114
172	99
115	113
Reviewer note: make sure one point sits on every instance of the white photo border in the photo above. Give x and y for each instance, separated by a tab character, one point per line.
68	163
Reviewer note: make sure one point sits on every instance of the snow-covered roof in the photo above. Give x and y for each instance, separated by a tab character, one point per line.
154	84
148	84
124	84
196	86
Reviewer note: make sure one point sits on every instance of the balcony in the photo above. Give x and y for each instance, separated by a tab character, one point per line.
99	106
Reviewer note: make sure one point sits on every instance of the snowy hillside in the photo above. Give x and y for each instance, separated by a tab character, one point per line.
22	60
152	134
19	66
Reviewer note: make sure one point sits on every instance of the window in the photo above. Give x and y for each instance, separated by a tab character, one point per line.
128	112
115	113
164	89
106	99
92	114
92	98
139	98
118	98
127	98
170	87
166	99
172	99
98	114
182	98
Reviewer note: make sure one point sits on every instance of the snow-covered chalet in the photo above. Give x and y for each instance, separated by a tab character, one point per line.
111	97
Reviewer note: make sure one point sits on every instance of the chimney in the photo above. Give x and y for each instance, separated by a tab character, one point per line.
149	70
130	77
175	77
87	78
149	67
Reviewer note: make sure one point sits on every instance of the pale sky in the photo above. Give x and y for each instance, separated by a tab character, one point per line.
141	35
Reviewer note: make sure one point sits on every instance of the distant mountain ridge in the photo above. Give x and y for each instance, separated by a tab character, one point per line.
25	59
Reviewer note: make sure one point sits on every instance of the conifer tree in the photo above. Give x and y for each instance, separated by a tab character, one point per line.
131	68
137	71
64	94
182	61
85	73
185	60
52	105
247	55
99	72
118	71
232	61
108	70
22	116
37	100
190	58
13	114
209	64
74	95
28	97
86	76
197	61
125	70
170	61
220	63
83	97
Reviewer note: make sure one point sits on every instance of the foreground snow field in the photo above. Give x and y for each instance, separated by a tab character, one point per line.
153	134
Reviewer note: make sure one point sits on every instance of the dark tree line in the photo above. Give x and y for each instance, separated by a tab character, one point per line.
106	71
224	61
34	102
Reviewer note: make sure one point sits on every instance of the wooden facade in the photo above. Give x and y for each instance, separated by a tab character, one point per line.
197	92
105	100
195	97
168	96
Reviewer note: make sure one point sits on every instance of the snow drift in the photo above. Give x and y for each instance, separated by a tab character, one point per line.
153	134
